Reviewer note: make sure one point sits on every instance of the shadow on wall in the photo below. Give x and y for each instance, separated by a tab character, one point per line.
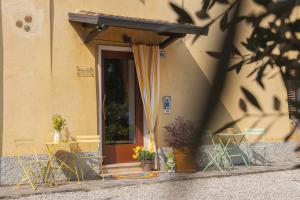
83	166
1	89
183	79
191	75
76	156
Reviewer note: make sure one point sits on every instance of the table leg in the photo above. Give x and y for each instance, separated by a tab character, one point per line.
75	168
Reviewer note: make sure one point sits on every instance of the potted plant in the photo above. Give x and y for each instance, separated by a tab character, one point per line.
58	125
230	130
170	164
144	156
181	136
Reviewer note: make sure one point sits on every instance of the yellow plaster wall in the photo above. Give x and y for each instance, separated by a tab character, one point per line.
26	73
1	81
34	89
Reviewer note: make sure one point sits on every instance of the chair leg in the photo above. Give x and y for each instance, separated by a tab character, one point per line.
26	177
213	162
231	165
30	181
76	170
47	173
22	179
81	170
101	168
265	153
249	156
227	155
244	160
217	163
208	165
102	174
51	172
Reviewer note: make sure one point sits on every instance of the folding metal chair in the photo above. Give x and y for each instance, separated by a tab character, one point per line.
229	152
252	147
89	140
218	154
32	167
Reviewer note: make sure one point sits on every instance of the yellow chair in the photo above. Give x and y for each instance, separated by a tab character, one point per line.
89	140
32	167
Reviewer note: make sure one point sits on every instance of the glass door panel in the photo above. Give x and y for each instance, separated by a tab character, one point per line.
119	101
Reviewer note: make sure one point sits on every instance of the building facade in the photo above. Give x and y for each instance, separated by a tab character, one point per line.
46	68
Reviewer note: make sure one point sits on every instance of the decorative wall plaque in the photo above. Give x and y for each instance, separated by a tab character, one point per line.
85	72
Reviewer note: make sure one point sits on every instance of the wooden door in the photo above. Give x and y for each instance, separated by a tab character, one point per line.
122	116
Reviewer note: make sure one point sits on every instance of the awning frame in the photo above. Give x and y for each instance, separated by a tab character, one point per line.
101	22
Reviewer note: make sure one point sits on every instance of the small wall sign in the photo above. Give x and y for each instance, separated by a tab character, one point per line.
85	72
167	104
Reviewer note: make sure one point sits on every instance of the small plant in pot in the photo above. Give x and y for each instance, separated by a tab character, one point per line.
58	124
170	164
144	156
181	136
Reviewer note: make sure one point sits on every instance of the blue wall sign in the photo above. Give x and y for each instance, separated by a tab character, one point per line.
167	104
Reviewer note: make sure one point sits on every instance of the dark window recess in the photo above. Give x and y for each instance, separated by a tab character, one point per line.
293	95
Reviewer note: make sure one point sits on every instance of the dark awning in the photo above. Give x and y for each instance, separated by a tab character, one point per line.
101	21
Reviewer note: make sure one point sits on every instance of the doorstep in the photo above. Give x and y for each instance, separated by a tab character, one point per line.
123	169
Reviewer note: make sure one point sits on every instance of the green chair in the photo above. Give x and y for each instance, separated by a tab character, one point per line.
253	147
218	154
229	148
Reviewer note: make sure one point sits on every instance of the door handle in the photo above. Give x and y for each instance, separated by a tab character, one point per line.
103	107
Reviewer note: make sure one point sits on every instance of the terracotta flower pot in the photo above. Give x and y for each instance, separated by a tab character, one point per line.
147	165
185	161
230	130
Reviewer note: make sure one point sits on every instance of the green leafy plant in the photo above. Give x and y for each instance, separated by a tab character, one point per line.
58	122
140	154
146	155
170	164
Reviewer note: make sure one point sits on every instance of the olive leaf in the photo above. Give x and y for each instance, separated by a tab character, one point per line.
237	67
224	22
276	103
251	98
183	16
243	105
214	54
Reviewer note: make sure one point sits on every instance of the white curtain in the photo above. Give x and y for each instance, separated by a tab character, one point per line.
147	62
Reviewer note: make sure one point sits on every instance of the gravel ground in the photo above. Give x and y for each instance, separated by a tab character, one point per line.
272	185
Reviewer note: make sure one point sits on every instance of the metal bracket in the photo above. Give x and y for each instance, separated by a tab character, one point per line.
94	33
170	40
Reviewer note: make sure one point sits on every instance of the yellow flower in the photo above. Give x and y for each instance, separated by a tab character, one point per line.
136	151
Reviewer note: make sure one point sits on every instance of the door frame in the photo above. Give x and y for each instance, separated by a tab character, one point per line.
101	48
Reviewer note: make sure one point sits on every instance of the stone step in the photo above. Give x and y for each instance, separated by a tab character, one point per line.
109	175
118	168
